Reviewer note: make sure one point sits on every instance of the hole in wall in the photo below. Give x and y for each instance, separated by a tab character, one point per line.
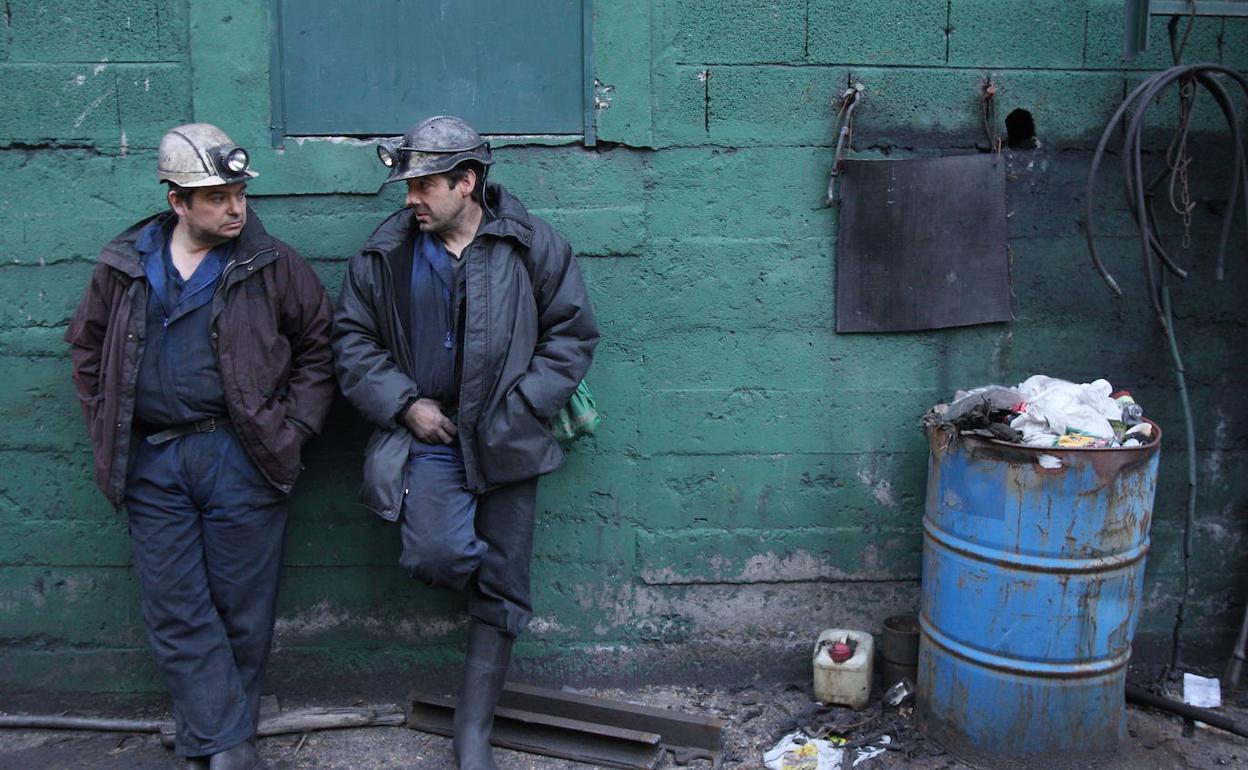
1020	131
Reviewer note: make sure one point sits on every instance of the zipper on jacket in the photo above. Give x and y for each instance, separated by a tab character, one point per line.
233	263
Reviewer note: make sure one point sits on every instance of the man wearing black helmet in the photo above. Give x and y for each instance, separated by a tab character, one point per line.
462	329
202	360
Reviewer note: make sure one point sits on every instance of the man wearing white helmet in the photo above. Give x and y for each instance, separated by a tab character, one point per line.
201	357
462	329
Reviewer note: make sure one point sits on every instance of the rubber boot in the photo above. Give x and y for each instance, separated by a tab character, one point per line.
485	670
241	757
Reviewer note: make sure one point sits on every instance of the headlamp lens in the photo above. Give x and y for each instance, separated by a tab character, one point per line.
237	160
387	157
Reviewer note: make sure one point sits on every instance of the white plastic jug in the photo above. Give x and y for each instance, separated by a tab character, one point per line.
847	683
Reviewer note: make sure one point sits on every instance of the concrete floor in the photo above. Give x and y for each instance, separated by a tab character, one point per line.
755	716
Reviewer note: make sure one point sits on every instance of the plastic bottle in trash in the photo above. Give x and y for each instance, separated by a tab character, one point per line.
1132	413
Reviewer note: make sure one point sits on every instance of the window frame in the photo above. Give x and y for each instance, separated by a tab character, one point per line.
278	129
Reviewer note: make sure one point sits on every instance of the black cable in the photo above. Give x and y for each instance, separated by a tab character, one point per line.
1140	194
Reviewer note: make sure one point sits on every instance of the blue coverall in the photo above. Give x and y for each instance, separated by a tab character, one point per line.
452	538
207	528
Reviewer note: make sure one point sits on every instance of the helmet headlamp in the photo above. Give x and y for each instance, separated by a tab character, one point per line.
388	151
229	161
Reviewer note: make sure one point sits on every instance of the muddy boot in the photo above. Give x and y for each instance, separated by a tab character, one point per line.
241	757
485	670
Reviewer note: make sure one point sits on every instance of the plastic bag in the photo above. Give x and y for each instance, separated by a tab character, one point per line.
797	752
1057	407
579	417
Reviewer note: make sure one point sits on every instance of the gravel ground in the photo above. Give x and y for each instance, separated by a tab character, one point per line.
756	717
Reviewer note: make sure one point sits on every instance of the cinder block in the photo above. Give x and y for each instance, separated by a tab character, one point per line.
756	421
591	488
39	407
782	491
346	542
1069	109
1105	39
44	238
878	32
743	613
778	556
682	110
325	235
122	670
553	177
71	605
86	31
1214	599
41	295
32	342
773	105
104	542
151	100
584	540
323	606
58	103
1233	45
728	31
917	109
723	285
120	188
748	193
51	489
600	231
1036	34
623	59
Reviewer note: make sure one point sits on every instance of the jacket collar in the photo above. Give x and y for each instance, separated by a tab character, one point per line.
122	253
504	216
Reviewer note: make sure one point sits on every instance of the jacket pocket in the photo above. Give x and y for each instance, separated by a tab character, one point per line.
385	460
515	443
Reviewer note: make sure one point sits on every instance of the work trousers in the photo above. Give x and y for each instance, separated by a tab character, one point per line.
476	544
207	531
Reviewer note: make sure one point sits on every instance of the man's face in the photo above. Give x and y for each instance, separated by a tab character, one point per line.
213	215
438	207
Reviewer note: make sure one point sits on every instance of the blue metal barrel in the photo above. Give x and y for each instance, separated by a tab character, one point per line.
1032	580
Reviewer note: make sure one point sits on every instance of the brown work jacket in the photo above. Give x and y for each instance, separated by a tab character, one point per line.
270	326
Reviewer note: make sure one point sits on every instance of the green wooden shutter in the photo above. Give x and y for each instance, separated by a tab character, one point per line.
375	67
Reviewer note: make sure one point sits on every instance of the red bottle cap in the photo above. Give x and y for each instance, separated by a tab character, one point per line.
841	652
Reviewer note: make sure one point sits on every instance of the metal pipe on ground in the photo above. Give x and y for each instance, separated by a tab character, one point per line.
1221	721
280	723
47	722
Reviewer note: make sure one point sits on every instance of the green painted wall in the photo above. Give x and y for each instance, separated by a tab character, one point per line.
758	477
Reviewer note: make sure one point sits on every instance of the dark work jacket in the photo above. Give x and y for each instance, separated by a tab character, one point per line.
270	331
528	334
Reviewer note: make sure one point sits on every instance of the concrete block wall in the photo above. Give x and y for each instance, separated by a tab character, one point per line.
757	477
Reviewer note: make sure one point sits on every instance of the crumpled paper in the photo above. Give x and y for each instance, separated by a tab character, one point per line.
797	752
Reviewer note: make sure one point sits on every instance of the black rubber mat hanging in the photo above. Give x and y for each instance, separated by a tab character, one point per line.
922	244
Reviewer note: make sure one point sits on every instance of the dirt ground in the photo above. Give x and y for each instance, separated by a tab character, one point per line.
756	717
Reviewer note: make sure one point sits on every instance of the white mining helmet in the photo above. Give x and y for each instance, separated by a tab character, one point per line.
201	155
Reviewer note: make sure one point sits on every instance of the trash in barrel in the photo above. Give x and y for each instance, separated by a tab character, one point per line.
1033	569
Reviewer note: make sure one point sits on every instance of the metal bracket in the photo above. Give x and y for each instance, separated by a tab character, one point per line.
1139	12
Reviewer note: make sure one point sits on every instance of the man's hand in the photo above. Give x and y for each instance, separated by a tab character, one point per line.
425	420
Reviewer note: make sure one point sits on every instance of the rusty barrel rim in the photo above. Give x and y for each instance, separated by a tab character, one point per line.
1083	670
1029	563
